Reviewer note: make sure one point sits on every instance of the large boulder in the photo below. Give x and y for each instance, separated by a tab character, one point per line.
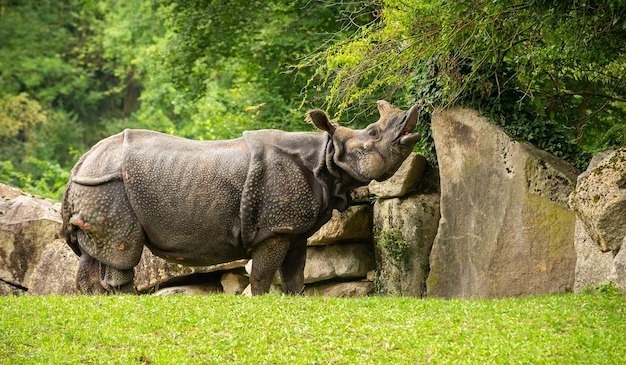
354	224
600	199
600	204
505	227
153	271
27	225
56	271
403	181
338	261
404	230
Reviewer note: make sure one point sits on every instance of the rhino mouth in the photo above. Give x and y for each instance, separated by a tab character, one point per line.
407	136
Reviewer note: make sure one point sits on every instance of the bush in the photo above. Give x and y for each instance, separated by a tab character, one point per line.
38	177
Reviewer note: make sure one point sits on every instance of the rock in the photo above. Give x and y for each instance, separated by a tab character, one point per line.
361	195
338	261
354	224
593	267
153	271
404	181
405	229
351	289
505	227
200	289
600	204
620	266
600	199
7	192
234	282
7	289
27	225
56	271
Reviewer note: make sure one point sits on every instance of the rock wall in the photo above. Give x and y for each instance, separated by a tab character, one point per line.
493	220
405	225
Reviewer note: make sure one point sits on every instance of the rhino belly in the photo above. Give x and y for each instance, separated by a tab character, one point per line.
204	232
187	199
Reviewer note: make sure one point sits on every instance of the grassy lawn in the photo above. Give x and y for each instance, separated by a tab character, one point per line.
217	329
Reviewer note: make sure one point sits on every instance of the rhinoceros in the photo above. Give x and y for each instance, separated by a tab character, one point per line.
192	202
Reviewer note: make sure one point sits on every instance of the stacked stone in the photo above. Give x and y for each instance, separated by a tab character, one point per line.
406	218
340	255
600	205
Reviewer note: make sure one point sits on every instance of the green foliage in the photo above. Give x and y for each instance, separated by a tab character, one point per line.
395	248
38	177
74	72
219	329
216	73
549	72
20	116
392	251
75	62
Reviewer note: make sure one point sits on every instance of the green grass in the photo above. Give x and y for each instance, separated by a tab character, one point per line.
217	329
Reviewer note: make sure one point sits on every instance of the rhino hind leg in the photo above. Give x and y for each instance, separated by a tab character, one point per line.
95	278
118	281
88	275
108	232
292	268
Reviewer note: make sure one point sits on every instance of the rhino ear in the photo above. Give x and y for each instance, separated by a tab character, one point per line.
320	120
383	107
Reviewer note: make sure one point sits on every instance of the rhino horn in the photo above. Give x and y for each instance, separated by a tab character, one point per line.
384	107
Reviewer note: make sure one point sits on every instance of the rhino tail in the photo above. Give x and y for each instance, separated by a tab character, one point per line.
68	232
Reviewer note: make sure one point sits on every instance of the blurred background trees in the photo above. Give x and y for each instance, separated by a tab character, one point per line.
76	71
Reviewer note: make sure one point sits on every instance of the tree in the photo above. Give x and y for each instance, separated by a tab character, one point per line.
221	73
549	72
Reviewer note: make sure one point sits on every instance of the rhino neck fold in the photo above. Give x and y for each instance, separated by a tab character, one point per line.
292	184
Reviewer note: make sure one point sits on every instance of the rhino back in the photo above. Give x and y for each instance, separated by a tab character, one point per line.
187	194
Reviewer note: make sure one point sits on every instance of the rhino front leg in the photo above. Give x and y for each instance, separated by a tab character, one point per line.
292	268
266	259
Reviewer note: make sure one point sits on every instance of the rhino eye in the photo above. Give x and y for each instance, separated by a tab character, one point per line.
373	132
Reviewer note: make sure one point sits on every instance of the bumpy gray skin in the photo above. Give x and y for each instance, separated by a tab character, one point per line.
207	202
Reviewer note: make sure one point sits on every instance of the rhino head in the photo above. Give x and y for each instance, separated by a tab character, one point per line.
376	152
